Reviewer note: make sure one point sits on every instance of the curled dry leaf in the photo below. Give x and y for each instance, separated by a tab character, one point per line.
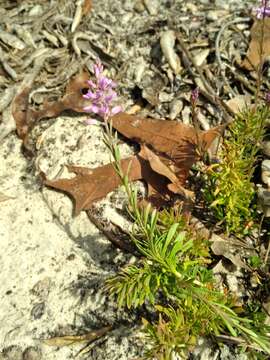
25	117
257	48
223	247
72	100
85	187
158	166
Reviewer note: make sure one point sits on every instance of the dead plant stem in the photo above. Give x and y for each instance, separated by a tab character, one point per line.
209	92
260	66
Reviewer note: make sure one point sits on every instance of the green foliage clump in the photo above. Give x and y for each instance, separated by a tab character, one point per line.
230	190
174	281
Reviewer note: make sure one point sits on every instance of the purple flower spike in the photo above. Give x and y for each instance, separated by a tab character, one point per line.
262	13
104	110
101	95
194	95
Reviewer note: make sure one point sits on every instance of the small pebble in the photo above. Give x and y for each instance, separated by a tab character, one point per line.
165	97
139	6
254	281
176	106
200	56
42	288
167	42
212	16
264	201
242	27
38	310
36	10
266	172
222	4
152	6
186	115
192	7
266	307
128	6
266	148
32	353
266	165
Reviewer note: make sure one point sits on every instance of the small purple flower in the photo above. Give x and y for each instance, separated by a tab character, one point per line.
90	95
194	95
101	95
262	11
116	109
92	108
104	110
111	96
105	83
98	69
91	84
91	122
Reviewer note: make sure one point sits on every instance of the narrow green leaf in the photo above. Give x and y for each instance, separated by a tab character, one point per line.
170	235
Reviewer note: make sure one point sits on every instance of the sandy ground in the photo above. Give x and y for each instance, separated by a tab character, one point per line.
52	265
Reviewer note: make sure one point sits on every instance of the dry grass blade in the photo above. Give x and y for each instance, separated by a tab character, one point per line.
74	339
4	197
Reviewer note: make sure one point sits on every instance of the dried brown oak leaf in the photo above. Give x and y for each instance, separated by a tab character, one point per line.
72	99
90	185
257	47
25	117
169	149
176	143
